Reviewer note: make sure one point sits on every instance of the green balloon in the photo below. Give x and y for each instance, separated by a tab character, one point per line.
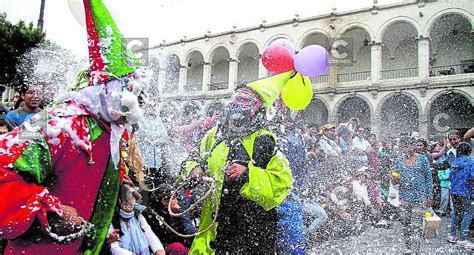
297	93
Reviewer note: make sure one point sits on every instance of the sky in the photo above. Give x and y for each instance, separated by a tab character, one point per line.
168	19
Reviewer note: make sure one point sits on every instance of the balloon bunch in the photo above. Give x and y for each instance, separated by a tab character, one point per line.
311	61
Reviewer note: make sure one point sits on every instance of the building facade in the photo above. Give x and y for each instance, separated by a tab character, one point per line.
411	66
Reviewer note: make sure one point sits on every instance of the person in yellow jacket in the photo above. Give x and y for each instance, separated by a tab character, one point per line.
251	174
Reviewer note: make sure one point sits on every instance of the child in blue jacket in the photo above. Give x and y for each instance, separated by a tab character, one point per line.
462	172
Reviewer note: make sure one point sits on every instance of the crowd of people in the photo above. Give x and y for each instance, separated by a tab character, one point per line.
246	179
354	180
24	104
346	180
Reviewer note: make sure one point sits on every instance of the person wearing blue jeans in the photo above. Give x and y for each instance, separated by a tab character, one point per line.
445	184
416	191
462	172
290	225
315	210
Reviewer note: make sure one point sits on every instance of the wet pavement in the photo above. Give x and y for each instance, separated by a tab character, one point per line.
388	241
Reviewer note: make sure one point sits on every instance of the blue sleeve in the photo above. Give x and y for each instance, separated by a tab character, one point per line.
396	165
11	120
439	162
428	178
471	174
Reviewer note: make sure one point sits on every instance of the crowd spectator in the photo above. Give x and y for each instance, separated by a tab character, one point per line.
416	191
345	139
3	113
387	159
361	148
130	233
31	107
461	191
327	142
159	202
290	226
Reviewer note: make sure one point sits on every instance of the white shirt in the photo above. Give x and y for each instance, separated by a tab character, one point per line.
362	144
329	146
152	239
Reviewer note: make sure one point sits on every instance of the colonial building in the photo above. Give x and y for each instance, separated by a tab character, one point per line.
411	66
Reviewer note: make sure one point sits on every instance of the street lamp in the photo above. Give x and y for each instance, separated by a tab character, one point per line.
40	20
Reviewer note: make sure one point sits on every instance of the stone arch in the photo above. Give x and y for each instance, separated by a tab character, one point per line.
357	25
219	68
436	16
170	54
399	49
172	68
360	36
378	108
306	35
451	42
189	53
443	92
359	100
450	110
276	37
212	52
195	73
248	62
155	66
386	24
399	113
317	112
246	42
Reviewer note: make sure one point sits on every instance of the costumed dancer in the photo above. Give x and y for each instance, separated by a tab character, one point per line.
58	192
251	175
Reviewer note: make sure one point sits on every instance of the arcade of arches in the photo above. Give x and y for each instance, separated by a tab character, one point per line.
398	113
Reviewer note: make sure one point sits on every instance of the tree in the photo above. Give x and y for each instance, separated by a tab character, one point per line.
15	40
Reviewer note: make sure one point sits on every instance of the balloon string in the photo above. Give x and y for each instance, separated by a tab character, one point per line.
294	74
302	79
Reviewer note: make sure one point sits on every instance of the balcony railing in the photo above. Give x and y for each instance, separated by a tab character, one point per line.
467	67
170	89
320	79
193	87
399	73
218	85
355	76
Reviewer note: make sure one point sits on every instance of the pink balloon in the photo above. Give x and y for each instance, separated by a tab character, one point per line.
312	61
285	43
278	59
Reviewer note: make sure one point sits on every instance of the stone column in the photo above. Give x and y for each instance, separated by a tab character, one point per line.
332	73
375	124
233	63
423	58
161	80
332	118
183	73
375	62
423	125
206	77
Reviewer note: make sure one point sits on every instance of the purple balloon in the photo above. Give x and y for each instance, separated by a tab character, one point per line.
285	43
312	61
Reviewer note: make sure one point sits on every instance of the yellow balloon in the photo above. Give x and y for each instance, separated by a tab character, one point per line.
297	94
